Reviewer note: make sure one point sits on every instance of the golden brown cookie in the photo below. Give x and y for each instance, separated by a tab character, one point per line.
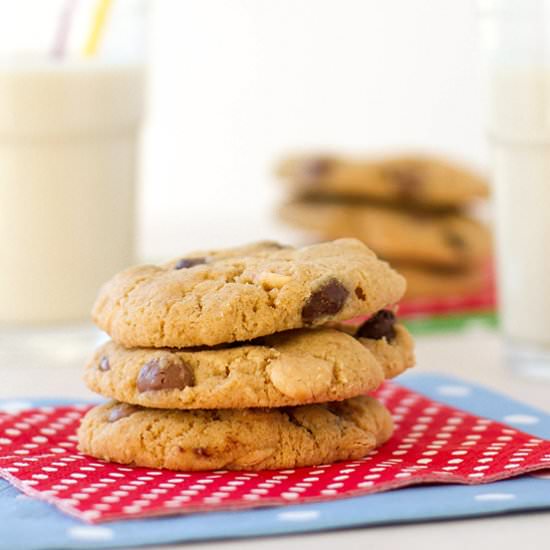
420	180
289	368
430	283
388	341
213	297
235	439
446	240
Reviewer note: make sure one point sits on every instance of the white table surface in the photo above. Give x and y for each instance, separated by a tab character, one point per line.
476	355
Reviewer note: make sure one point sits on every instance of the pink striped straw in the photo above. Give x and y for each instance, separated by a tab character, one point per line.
63	28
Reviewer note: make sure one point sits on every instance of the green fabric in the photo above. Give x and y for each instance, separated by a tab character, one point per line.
451	323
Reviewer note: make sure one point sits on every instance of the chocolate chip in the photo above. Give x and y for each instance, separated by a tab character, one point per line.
455	240
359	293
327	300
408	181
165	373
314	169
121	411
104	365
185	263
378	326
201	452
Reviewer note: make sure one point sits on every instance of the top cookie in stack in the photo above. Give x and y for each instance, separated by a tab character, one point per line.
232	295
412	211
229	355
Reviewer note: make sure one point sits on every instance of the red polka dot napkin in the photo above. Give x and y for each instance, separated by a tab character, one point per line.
432	443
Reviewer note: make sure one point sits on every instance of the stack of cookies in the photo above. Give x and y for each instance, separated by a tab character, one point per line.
412	211
239	359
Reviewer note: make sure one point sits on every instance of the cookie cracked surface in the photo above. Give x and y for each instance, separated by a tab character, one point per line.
222	296
290	368
235	439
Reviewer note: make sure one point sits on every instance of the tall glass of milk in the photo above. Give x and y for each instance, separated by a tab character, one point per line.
516	41
69	134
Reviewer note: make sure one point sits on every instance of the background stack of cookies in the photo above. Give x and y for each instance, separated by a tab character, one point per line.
414	212
225	359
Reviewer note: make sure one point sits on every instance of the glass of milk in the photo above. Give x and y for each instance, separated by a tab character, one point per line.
516	41
69	135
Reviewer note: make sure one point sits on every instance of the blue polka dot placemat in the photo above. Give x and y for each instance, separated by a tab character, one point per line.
31	524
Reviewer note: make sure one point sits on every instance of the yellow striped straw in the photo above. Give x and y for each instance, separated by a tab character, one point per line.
98	26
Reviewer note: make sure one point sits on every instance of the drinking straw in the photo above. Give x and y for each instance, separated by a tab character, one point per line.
98	26
63	29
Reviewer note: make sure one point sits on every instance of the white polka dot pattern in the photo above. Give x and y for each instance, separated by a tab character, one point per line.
432	443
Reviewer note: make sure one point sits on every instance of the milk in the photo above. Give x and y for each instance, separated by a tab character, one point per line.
519	130
68	137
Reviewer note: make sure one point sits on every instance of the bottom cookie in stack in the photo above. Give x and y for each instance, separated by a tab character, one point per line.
425	282
251	439
290	399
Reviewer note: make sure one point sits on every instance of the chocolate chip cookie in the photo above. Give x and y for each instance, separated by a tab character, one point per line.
235	439
448	240
426	181
389	342
213	297
433	283
290	368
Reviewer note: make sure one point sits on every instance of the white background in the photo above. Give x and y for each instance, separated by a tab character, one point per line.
236	84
